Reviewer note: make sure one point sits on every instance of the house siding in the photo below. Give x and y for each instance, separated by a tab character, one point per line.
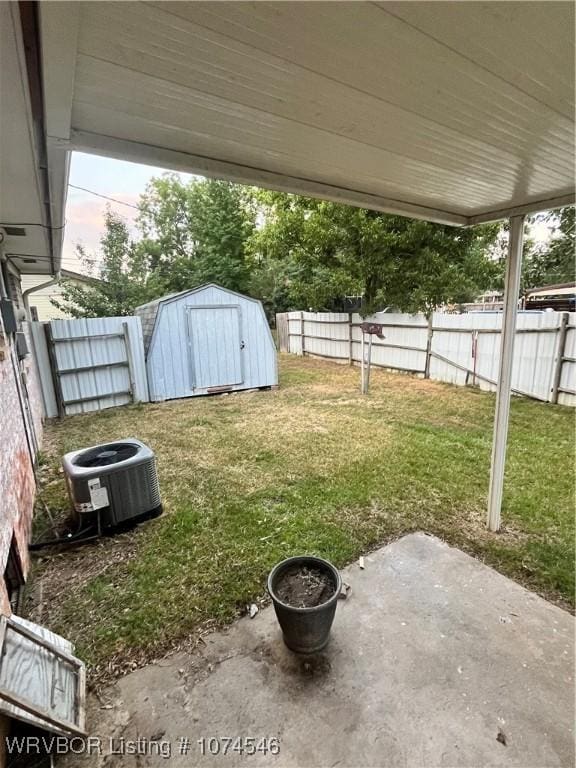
42	300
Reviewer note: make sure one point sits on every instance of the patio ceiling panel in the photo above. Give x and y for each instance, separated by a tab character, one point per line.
444	111
537	50
199	123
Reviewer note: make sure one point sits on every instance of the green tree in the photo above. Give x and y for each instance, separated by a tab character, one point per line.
330	250
440	265
542	264
196	232
556	261
121	282
304	253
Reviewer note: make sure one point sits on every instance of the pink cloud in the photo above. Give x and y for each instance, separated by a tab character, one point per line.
85	223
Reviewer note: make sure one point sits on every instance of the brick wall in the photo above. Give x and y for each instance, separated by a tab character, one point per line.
17	484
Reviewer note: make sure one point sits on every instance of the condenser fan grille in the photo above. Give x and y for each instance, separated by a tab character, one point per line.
104	455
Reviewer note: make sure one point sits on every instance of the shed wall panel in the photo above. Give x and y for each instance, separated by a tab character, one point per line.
169	354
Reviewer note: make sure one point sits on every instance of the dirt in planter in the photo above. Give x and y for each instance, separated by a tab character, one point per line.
303	586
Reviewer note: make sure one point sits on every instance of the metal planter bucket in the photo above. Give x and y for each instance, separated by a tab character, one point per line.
305	630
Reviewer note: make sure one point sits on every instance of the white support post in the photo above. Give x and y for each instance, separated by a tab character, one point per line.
367	377
362	365
511	291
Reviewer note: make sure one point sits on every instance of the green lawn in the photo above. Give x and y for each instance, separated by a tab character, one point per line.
314	467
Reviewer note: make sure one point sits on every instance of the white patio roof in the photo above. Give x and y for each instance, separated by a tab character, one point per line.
452	112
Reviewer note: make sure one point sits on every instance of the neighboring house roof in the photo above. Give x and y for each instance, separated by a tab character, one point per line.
558	289
41	298
69	274
65	274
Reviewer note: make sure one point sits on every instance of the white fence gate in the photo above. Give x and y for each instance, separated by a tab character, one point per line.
89	364
460	349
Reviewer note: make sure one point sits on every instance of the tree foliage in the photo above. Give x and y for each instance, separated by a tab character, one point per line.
548	263
196	232
294	252
187	234
323	251
556	261
121	283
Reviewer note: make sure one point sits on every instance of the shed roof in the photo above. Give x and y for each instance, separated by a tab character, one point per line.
155	302
452	112
149	311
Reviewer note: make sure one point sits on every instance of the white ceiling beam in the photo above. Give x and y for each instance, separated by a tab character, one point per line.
547	204
13	62
148	154
58	172
162	157
59	25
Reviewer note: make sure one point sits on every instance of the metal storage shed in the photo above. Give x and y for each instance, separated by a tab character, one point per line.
204	341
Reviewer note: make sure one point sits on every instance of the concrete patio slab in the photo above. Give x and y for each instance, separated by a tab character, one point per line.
435	660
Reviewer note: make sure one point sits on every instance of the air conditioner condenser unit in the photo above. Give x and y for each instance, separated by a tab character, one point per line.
114	484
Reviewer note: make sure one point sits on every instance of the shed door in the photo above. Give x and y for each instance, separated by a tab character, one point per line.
215	346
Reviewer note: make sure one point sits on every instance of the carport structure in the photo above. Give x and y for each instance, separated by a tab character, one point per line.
457	113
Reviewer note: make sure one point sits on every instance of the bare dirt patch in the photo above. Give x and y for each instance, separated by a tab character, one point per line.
61	571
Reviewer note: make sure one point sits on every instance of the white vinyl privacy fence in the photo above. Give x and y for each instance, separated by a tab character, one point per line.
89	364
460	349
